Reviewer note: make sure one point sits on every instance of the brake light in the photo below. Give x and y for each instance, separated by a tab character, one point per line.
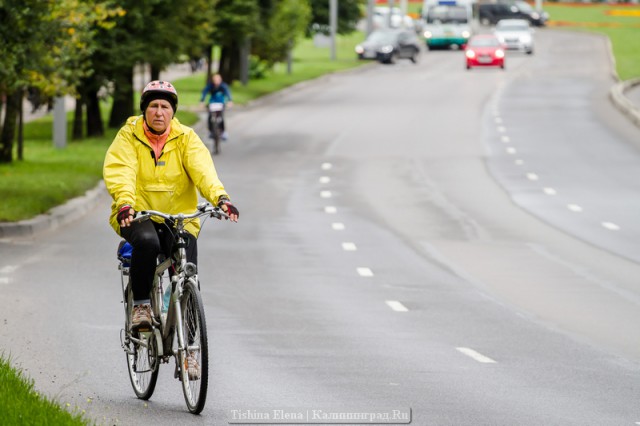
470	54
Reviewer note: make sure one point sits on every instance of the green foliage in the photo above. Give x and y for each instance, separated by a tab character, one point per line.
281	24
349	12
21	404
46	43
235	20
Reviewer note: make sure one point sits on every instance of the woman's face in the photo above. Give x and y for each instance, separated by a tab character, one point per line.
158	115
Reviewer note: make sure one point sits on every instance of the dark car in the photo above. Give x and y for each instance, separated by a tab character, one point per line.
400	44
388	45
489	13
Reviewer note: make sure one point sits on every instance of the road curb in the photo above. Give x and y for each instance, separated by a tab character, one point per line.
56	217
620	101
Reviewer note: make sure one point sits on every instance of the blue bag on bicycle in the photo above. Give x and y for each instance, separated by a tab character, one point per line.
124	253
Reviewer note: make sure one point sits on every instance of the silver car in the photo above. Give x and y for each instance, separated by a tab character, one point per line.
515	34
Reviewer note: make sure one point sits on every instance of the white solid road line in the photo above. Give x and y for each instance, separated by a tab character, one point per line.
364	272
325	194
396	306
574	208
476	355
330	210
349	247
611	226
337	226
326	166
325	179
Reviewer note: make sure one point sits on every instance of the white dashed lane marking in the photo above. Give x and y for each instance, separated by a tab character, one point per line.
611	226
325	194
519	162
396	306
8	269
325	179
364	272
4	280
326	166
574	208
502	129
476	355
349	247
330	210
337	226
511	151
505	139
532	176
550	191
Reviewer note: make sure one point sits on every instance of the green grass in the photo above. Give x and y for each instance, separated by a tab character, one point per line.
623	31
21	404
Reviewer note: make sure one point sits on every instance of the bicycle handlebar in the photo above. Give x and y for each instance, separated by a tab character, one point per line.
204	209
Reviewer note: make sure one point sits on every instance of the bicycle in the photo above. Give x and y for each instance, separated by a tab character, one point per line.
178	323
215	125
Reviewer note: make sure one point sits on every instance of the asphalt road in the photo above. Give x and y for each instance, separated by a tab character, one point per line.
392	253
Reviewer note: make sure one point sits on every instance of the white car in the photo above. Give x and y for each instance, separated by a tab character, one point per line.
515	34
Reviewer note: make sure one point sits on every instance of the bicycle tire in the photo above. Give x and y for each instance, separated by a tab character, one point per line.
195	334
142	362
217	134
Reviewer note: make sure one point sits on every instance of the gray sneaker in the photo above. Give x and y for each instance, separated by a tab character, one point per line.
193	368
141	317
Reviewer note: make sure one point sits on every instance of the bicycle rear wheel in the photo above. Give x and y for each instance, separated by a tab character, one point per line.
142	360
194	385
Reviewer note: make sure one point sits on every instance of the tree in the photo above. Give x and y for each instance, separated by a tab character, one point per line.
157	32
283	21
44	44
349	12
236	22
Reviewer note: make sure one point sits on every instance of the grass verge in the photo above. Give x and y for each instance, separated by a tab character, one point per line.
20	404
621	23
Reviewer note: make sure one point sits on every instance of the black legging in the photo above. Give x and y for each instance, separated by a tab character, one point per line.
149	239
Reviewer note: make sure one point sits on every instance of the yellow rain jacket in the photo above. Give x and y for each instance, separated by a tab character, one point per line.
167	184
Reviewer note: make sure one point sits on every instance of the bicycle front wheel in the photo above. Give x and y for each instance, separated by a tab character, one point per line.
142	359
194	358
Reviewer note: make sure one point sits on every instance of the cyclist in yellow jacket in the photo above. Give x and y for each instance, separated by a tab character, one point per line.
157	163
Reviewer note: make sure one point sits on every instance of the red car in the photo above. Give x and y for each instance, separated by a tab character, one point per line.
484	50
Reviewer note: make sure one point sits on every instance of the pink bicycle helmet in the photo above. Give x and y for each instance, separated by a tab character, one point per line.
159	89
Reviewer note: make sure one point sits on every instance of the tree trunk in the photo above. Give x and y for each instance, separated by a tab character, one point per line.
230	62
76	133
122	98
9	127
209	56
155	72
95	127
20	127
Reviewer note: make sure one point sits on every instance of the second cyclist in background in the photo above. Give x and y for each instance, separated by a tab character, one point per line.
218	92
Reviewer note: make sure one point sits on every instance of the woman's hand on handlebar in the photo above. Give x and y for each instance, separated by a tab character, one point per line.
229	209
125	215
